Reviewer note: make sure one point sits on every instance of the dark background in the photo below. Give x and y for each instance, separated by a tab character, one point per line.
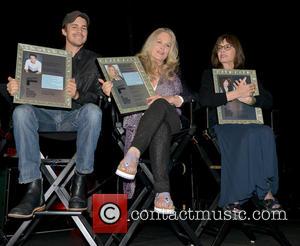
269	35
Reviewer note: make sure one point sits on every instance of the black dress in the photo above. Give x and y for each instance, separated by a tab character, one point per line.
248	151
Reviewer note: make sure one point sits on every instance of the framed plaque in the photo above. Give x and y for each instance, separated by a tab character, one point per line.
236	112
131	85
43	74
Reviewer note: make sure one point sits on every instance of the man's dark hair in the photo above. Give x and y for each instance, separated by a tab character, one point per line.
32	55
70	17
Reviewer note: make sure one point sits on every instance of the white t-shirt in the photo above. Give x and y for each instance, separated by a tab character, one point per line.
33	67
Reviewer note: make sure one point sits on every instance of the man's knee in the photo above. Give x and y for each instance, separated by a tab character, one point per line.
22	113
92	113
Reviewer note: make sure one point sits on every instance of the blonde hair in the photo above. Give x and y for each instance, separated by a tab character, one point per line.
169	68
112	76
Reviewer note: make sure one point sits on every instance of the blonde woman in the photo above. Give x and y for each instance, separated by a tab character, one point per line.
153	128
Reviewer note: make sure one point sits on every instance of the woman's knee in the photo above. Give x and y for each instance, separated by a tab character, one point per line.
160	101
160	104
259	130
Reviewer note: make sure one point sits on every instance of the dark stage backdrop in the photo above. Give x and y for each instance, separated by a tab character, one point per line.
119	28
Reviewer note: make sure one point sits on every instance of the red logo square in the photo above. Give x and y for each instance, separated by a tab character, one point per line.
110	213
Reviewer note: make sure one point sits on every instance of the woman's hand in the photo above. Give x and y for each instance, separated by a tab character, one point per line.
173	100
243	89
106	87
151	99
12	86
247	100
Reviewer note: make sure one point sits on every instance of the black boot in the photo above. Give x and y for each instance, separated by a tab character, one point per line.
32	201
78	193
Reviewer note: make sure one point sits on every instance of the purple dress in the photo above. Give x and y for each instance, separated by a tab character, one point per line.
131	122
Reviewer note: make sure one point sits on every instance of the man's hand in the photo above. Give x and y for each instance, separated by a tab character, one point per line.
106	87
13	86
71	89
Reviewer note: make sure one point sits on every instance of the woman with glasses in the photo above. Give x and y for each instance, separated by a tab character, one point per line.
248	151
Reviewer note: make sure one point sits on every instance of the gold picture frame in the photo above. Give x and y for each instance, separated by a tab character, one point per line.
236	112
131	85
43	73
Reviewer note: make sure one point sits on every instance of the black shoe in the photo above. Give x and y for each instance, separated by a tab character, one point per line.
78	198
32	201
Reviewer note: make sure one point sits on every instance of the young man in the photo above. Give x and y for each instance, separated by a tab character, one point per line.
33	65
85	118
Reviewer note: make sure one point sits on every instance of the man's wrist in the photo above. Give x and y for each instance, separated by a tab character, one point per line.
76	95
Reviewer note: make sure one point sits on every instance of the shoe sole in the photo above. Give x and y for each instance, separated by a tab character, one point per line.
125	175
22	216
164	210
77	209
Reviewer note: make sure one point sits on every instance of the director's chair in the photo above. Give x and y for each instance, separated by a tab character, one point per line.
56	190
145	197
248	227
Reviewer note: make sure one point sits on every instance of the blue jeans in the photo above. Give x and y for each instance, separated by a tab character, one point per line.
29	120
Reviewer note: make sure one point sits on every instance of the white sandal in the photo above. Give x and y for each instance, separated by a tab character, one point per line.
163	203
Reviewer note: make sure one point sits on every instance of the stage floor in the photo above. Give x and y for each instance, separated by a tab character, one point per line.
159	233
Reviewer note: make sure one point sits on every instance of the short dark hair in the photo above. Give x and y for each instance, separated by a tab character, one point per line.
239	60
31	54
70	17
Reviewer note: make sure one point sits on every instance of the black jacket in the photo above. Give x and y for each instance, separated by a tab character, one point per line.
85	70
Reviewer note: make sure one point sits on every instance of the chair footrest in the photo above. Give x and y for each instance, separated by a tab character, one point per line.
70	213
55	161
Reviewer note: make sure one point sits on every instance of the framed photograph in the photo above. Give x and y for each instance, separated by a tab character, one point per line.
131	85
236	112
43	74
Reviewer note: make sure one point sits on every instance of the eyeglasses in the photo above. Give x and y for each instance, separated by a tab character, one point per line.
225	47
